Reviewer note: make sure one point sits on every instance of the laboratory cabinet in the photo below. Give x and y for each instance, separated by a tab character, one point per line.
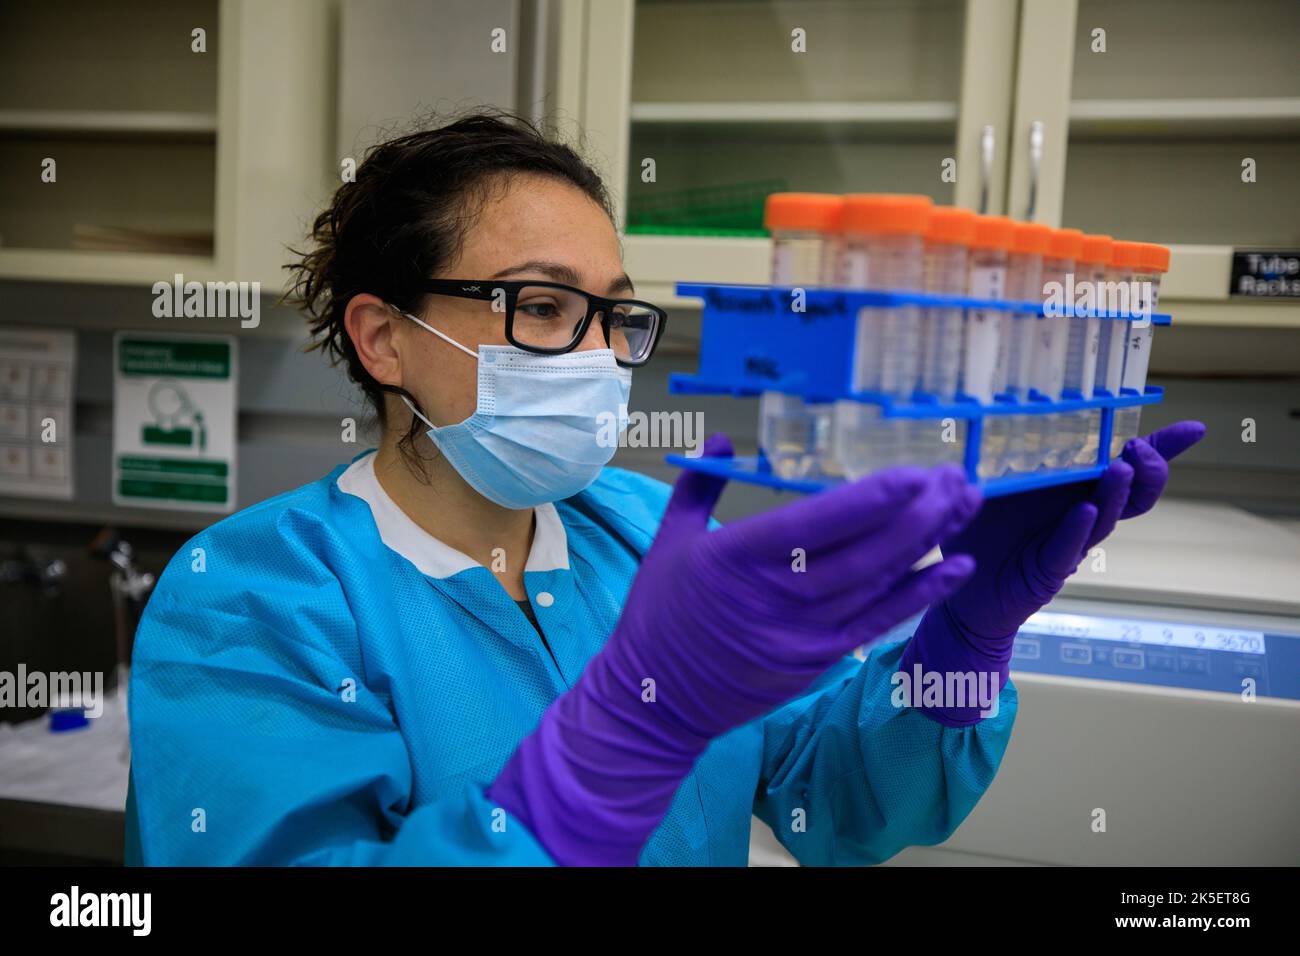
1170	121
730	101
145	139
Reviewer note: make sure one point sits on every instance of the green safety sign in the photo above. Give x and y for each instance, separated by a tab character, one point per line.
174	415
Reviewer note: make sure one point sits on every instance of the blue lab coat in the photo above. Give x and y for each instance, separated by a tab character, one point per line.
310	697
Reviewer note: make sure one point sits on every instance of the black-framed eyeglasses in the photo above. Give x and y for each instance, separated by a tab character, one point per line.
551	318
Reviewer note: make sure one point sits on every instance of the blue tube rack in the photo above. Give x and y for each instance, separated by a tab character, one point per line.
752	342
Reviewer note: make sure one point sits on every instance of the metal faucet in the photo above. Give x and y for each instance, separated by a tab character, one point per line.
130	585
25	568
128	578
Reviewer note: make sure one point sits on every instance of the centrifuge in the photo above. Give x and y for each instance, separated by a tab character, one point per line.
1159	697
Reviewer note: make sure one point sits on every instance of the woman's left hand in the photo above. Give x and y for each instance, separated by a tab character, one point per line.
1026	546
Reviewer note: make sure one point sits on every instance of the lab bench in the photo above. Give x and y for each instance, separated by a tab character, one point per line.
35	833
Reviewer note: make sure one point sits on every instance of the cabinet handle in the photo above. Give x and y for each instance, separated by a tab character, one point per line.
986	167
1035	161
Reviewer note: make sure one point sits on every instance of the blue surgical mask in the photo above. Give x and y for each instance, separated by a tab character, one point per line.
544	426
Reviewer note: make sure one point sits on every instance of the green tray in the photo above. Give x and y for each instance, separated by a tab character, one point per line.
733	209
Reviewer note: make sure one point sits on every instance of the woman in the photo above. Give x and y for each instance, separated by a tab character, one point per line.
475	645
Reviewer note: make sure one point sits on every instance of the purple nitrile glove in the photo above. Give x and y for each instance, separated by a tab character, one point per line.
1025	546
721	626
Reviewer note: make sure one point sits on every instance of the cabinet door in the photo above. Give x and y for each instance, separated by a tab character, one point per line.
1040	124
1171	121
108	138
984	134
275	157
400	67
727	102
194	141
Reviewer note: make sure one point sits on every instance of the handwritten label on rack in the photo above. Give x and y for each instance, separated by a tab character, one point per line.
777	302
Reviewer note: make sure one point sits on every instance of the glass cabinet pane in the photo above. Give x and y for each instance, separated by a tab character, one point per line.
734	99
117	99
1162	119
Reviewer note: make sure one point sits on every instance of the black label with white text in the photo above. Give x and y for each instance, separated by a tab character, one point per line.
1270	275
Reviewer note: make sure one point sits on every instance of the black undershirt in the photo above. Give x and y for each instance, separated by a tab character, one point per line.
527	608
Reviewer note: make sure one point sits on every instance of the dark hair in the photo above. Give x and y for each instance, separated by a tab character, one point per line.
405	217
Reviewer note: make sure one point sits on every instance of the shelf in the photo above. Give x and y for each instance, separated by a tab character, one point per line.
139	185
1240	313
849	118
114	268
663	261
142	123
1118	118
1197	279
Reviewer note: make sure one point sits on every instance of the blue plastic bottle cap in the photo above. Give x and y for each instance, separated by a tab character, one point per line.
62	721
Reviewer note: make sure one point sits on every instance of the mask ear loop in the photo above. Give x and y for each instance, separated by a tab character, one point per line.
416	412
446	338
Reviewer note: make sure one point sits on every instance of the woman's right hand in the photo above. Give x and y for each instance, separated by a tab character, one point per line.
728	623
720	627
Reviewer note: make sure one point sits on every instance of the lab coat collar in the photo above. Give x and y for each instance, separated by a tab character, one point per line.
550	550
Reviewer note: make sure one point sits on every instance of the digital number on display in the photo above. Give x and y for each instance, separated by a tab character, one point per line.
1159	633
